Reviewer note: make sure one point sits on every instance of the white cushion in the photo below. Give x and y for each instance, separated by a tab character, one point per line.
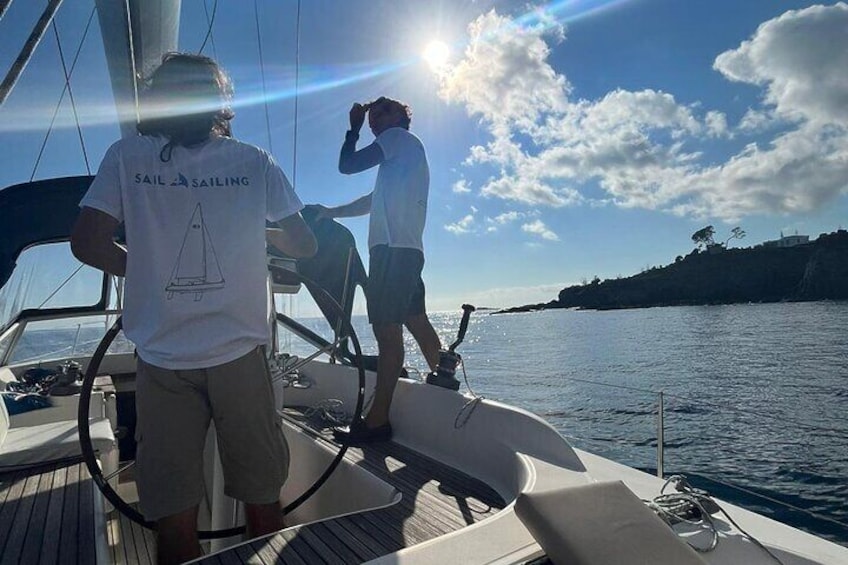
601	524
48	442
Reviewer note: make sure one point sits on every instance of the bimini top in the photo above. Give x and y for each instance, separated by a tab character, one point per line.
36	212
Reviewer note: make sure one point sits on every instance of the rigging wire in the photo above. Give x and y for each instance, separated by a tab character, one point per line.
262	72
28	49
211	22
775	500
4	5
133	69
62	96
58	288
296	93
71	96
832	432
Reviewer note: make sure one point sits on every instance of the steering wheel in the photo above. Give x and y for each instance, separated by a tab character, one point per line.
102	482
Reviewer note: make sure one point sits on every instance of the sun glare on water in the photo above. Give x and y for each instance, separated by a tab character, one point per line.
436	54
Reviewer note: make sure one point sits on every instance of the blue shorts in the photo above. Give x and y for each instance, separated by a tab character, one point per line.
395	290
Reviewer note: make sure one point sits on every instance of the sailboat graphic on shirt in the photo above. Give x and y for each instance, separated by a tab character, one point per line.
196	270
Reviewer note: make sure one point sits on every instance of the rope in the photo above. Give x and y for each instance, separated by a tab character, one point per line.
695	507
468	408
330	411
262	72
62	97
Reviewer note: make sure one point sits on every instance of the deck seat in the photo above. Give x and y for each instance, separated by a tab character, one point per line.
601	524
54	441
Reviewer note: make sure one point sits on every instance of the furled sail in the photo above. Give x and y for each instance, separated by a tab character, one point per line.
134	43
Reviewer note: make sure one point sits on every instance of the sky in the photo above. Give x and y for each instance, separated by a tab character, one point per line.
566	140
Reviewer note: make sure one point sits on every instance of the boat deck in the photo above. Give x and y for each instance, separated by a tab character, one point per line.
47	515
436	500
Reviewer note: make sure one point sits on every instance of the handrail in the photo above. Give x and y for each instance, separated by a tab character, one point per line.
660	436
775	501
838	433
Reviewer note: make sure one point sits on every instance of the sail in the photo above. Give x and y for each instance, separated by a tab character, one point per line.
155	28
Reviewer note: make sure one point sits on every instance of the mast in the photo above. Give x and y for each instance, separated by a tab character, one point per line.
136	33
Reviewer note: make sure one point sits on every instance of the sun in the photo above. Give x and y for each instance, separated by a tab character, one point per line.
436	54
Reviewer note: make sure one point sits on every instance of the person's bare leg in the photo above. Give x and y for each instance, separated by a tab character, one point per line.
176	538
389	364
428	340
263	519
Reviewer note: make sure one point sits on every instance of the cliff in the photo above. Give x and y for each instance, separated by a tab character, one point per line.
814	271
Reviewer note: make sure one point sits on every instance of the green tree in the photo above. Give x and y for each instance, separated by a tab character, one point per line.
704	236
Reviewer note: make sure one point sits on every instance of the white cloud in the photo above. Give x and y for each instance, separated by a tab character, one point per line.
510	63
505	218
716	123
529	190
461	187
642	148
755	120
502	219
800	59
463	226
538	227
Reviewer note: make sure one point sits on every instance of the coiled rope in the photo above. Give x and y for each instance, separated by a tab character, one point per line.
695	507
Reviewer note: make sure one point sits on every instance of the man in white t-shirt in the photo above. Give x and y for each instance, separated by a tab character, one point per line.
194	204
398	210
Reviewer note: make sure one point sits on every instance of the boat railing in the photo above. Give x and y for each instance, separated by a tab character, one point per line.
661	403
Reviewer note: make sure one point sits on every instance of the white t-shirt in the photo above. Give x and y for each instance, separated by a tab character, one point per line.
399	200
196	292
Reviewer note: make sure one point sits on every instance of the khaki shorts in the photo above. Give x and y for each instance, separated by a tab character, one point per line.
174	409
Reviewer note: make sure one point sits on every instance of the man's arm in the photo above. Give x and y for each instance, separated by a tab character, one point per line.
93	243
350	160
359	207
293	237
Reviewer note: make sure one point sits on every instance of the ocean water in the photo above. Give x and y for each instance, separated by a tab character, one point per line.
755	396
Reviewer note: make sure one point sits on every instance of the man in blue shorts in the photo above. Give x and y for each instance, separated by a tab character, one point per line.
398	211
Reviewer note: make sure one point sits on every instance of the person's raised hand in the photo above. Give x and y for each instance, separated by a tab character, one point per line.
357	116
